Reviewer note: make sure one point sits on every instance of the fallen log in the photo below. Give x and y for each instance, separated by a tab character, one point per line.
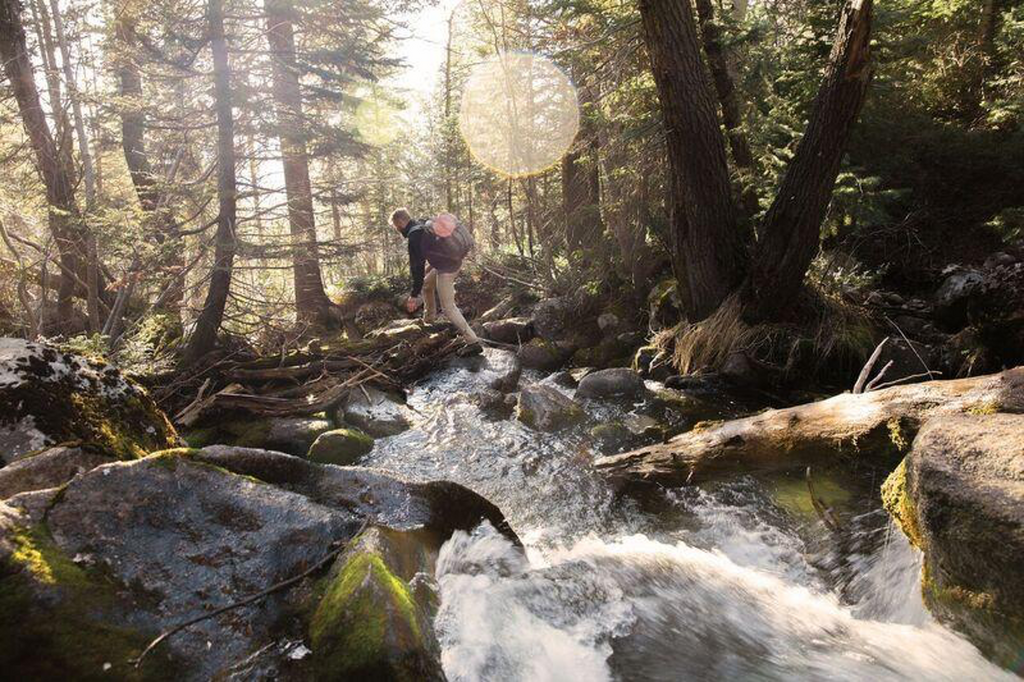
874	424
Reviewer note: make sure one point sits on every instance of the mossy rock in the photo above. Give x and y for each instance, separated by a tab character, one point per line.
292	435
49	397
53	622
543	354
368	624
340	446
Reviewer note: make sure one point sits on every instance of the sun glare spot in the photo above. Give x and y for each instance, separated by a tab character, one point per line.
519	113
376	120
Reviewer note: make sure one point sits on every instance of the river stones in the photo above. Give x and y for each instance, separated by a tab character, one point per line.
515	330
293	435
544	355
959	496
48	397
545	408
340	446
375	412
497	369
616	382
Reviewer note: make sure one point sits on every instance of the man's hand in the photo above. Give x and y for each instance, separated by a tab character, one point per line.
412	304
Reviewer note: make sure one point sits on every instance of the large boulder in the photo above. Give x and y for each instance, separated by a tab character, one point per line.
954	295
48	397
616	382
129	549
375	412
512	330
545	408
959	496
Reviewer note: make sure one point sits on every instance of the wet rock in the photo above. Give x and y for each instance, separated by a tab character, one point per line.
564	378
498	369
375	412
294	435
514	330
954	295
612	437
48	469
617	382
493	403
340	446
546	408
959	496
48	397
370	624
129	549
543	355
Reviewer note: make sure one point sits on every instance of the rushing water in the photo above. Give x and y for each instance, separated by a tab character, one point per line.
739	580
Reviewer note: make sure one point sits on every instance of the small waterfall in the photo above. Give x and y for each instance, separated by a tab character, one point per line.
734	581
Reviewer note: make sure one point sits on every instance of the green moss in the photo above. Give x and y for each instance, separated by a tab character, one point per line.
340	446
981	409
364	606
51	619
897	435
896	500
200	438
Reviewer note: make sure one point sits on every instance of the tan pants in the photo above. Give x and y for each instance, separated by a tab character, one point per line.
444	284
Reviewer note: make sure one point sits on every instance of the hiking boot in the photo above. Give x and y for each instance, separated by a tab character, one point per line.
474	348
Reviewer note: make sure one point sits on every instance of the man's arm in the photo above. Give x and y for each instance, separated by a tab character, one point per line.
417	262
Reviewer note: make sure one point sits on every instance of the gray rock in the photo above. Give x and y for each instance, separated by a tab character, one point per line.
294	435
609	322
552	318
375	412
616	382
340	446
48	469
131	548
48	397
497	369
543	355
953	297
545	408
493	402
512	330
959	496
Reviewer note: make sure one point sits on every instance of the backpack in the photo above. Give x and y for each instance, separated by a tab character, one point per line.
452	239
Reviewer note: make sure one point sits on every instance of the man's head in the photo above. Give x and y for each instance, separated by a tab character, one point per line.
400	218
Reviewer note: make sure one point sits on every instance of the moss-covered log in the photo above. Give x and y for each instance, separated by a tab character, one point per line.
876	424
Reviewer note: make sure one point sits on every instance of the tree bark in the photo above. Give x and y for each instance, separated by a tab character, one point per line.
152	200
732	114
791	232
311	301
204	338
708	253
873	424
57	174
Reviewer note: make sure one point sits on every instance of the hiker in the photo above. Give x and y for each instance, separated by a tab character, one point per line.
436	250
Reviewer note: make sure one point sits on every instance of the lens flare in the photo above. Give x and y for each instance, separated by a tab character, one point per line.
519	113
376	120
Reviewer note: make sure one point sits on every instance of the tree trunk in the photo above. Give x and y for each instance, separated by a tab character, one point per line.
791	231
732	115
133	141
311	301
58	175
861	425
581	189
708	253
204	338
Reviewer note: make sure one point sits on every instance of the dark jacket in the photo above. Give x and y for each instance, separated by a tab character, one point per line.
423	249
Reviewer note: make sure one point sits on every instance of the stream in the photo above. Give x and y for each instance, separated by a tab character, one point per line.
738	580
